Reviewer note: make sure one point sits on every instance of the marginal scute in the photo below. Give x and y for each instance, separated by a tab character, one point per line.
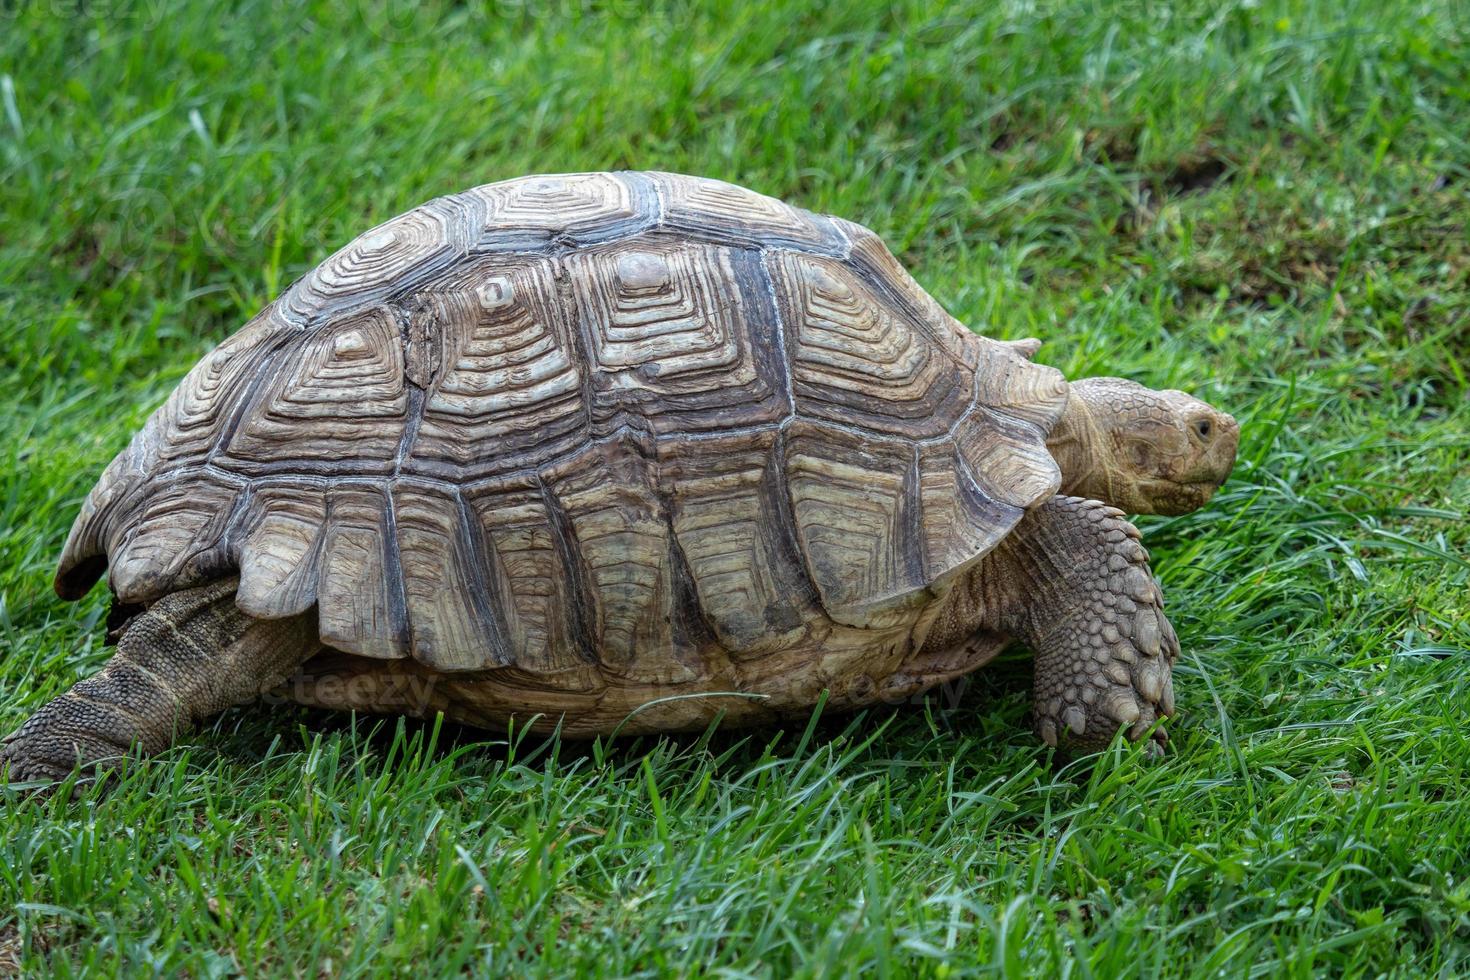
853	505
1006	458
84	557
728	523
960	522
454	622
525	561
182	521
278	559
1008	383
623	545
180	434
360	590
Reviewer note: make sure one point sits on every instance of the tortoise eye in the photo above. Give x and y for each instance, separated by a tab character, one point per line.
1203	428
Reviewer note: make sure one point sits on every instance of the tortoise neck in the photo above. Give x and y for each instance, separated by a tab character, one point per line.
1074	443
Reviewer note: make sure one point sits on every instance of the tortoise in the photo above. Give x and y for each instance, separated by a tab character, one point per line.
624	452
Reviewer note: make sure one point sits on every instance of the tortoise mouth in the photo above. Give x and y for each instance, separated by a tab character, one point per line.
1171	498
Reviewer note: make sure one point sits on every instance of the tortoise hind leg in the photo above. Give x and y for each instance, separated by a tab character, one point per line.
1073	583
191	655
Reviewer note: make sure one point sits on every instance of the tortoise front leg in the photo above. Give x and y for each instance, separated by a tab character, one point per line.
191	655
1073	583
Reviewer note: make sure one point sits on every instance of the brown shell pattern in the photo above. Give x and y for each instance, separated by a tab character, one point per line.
582	419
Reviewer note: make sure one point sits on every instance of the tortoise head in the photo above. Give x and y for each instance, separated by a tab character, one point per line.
1144	451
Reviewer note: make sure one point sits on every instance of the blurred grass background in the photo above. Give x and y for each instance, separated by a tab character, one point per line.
1262	201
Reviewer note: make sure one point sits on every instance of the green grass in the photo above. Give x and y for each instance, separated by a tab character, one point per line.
1266	202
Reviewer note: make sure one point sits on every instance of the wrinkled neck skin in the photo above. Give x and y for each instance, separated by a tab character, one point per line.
1081	450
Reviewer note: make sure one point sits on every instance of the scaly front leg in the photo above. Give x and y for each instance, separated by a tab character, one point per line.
1073	583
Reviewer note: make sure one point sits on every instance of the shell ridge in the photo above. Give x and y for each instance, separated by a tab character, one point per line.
783	351
413	420
578	606
393	572
575	331
484	592
777	491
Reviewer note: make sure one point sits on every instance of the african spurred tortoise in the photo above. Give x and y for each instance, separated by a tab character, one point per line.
624	451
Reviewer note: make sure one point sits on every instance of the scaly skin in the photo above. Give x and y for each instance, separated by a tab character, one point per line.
1140	450
1072	582
188	657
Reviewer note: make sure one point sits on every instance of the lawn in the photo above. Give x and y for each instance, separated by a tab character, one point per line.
1266	202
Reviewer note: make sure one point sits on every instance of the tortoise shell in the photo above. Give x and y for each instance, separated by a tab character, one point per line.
582	419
